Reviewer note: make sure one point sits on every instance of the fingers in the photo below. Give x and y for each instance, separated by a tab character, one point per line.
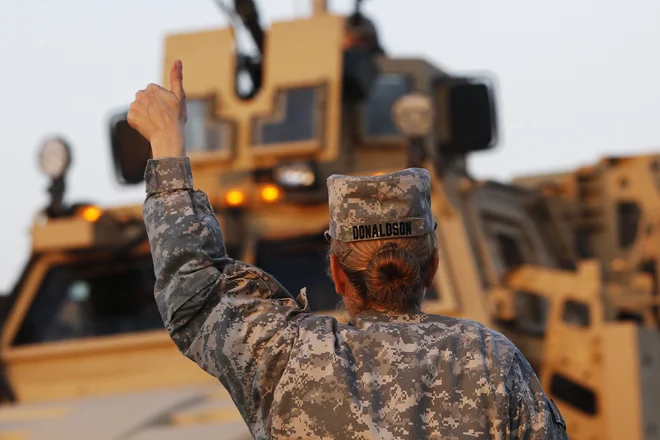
132	119
156	108
154	89
176	80
140	95
135	115
137	109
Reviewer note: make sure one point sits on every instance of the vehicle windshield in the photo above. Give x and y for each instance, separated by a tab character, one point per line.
94	298
378	120
302	262
298	263
102	298
297	118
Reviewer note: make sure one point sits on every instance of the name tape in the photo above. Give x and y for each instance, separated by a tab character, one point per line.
383	230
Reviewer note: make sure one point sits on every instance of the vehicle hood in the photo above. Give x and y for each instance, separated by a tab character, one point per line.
198	413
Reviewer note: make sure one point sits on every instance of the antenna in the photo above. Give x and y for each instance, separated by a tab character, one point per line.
358	7
249	14
244	16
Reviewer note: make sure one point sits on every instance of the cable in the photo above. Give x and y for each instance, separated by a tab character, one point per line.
234	20
229	13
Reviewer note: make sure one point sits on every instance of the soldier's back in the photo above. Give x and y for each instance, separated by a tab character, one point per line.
397	377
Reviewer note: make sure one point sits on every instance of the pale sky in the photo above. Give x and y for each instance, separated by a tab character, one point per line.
577	80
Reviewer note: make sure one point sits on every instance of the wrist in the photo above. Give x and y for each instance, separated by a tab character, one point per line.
169	144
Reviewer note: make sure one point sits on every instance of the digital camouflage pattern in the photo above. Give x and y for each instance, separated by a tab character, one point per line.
300	376
390	205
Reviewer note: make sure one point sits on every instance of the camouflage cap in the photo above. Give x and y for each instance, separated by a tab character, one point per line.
386	206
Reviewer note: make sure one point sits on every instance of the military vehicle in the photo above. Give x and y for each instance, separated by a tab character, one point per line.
565	265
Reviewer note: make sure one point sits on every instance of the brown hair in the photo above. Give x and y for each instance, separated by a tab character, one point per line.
388	273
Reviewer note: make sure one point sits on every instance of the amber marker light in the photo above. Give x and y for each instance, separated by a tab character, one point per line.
90	213
234	198
270	193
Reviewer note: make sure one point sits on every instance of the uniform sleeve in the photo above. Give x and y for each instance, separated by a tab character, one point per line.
234	320
532	414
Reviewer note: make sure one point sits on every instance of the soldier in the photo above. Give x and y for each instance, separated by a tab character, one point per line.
393	372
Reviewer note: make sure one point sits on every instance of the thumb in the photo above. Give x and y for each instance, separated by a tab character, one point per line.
176	80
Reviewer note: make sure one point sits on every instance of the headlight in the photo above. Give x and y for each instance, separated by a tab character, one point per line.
299	174
413	115
54	158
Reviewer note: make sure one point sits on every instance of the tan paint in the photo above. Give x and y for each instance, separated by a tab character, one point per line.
615	360
229	414
209	65
14	435
62	234
100	366
29	414
621	366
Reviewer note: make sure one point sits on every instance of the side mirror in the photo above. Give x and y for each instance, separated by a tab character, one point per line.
466	109
130	151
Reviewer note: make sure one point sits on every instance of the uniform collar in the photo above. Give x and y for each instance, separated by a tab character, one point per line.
375	316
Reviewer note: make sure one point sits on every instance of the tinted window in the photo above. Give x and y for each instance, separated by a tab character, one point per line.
576	313
509	241
574	394
510	251
386	91
297	118
93	299
629	215
301	263
531	313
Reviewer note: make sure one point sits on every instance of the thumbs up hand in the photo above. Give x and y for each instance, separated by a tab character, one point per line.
160	115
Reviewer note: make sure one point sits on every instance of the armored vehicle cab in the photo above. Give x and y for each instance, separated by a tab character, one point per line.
83	347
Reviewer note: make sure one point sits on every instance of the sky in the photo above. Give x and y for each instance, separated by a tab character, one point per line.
576	81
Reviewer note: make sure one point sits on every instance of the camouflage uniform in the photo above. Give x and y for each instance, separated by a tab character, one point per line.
296	375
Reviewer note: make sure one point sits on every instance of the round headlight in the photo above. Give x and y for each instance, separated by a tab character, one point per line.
54	157
413	115
295	175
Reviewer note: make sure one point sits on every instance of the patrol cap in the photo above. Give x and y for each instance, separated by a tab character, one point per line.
379	207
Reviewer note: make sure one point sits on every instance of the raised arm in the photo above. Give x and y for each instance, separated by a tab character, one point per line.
232	319
532	414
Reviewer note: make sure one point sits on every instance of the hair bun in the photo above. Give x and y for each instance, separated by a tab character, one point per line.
392	275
